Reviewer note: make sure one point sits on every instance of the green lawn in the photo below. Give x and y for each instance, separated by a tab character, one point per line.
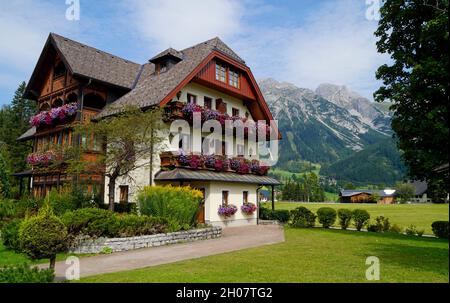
9	257
308	255
420	215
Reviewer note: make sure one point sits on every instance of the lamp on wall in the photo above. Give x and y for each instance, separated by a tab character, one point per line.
179	95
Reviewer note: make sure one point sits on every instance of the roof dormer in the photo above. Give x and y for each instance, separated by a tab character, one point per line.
166	59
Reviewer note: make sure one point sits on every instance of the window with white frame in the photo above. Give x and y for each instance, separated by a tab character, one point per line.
221	73
233	78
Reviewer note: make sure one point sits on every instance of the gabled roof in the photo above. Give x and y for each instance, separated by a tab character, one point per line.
420	187
88	62
381	193
152	89
170	52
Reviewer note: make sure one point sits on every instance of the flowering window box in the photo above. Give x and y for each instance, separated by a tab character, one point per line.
217	163
43	158
227	211
58	114
249	208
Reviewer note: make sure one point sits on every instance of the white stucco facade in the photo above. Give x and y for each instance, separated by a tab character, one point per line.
140	177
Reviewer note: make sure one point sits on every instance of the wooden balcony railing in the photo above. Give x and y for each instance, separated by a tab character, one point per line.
216	163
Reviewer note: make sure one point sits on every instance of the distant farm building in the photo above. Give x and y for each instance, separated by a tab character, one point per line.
386	196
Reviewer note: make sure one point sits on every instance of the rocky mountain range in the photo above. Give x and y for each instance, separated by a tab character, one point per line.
325	126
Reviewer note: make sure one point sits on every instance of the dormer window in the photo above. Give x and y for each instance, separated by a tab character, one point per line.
59	70
221	73
233	79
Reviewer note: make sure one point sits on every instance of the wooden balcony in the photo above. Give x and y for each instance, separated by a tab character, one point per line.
240	165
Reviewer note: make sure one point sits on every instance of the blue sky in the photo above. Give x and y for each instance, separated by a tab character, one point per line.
305	42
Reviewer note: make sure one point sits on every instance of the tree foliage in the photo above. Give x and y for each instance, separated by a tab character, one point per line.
131	136
307	188
14	121
415	34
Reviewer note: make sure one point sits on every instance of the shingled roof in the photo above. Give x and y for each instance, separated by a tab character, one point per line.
90	62
152	89
168	52
87	62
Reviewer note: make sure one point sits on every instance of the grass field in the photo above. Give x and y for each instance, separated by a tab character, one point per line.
308	255
9	257
420	215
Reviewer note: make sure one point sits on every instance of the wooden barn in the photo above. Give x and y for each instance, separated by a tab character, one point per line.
386	196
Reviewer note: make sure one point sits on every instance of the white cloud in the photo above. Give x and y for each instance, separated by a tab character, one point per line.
181	23
336	45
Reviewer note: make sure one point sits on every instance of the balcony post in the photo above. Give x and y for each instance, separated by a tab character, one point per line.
273	197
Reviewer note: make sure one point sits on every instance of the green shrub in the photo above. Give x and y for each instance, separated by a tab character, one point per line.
25	274
28	206
420	232
133	225
43	236
440	229
7	209
345	217
92	222
411	230
173	203
302	217
96	222
129	208
382	224
281	215
10	234
360	218
326	216
395	229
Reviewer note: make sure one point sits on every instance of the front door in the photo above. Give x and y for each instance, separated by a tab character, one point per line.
201	212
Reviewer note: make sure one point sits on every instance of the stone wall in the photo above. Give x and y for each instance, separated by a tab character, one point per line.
90	245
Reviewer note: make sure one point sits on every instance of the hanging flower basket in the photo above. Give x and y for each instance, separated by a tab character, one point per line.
227	210
249	208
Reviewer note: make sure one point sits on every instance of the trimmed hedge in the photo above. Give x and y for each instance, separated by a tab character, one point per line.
326	216
302	217
281	215
43	236
345	217
96	222
440	229
360	218
25	274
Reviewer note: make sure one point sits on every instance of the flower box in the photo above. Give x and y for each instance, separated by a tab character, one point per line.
227	210
54	115
249	208
43	158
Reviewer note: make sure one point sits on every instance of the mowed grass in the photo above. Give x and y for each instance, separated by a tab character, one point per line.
308	255
10	257
404	215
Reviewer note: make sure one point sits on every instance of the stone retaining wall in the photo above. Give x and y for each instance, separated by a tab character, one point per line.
89	245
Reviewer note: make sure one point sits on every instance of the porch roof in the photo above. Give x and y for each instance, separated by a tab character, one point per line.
182	174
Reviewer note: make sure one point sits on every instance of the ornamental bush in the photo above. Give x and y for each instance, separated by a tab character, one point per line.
345	217
302	217
92	222
179	203
326	216
134	225
281	215
360	218
43	236
10	234
440	229
25	274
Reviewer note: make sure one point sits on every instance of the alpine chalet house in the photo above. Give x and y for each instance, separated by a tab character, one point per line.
73	82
